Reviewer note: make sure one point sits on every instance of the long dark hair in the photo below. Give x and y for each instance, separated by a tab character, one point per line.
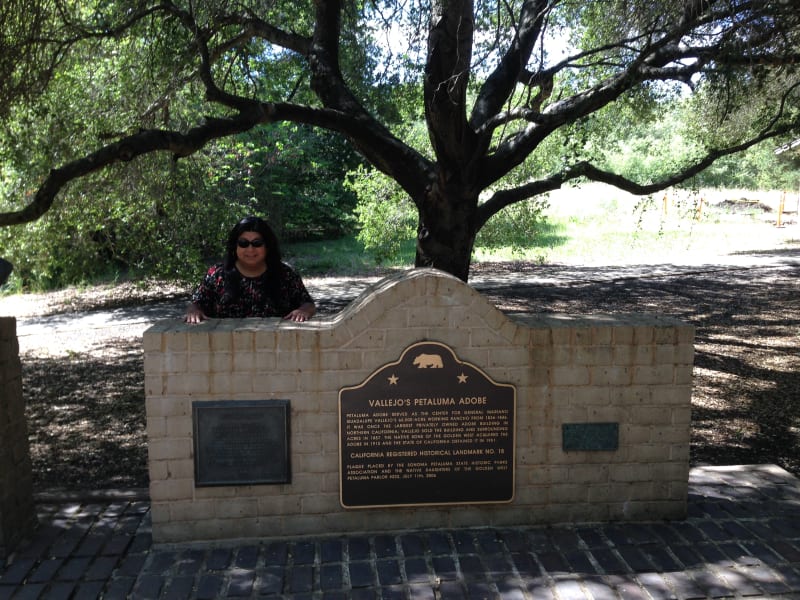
257	225
274	261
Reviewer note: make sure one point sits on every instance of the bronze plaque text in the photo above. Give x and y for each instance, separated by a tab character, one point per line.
427	429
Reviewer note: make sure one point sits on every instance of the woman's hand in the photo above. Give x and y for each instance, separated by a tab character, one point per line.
302	313
194	314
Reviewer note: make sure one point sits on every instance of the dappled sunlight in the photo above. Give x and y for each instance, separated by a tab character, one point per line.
747	351
86	418
86	422
83	379
738	539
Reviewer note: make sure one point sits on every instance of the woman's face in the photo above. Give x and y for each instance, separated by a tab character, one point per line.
251	256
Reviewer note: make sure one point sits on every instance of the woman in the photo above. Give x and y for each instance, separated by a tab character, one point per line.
252	282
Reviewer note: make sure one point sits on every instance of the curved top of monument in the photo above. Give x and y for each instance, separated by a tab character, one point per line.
409	300
420	294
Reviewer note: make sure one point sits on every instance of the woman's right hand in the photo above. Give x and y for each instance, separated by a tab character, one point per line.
194	314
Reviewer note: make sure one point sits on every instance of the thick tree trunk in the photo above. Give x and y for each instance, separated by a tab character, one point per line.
446	235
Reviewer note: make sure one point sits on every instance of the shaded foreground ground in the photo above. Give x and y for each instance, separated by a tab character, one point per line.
739	541
86	407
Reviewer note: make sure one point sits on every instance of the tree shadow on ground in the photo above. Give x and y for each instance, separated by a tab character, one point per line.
86	418
86	415
745	407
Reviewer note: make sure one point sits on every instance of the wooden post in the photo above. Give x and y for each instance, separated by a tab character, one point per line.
698	214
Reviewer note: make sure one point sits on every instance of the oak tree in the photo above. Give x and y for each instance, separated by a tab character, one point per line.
498	80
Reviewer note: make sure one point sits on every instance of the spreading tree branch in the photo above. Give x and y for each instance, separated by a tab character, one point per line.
586	170
511	69
125	150
447	73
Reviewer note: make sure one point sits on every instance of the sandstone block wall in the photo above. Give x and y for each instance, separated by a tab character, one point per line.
631	370
17	513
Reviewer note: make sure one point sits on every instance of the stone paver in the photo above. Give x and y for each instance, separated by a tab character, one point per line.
740	540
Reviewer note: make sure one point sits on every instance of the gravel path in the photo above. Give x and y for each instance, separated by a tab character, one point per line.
71	321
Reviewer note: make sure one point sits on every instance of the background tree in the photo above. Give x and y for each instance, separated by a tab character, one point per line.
500	82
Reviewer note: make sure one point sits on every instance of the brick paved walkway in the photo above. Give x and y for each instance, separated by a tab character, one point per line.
741	540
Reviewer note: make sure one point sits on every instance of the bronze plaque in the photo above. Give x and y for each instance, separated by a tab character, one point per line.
427	429
589	436
241	442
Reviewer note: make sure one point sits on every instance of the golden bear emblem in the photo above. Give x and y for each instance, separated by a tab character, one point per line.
428	361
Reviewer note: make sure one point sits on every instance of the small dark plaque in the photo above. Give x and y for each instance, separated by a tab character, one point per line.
589	436
241	442
427	429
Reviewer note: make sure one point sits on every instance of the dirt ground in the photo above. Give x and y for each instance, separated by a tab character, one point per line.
84	387
746	392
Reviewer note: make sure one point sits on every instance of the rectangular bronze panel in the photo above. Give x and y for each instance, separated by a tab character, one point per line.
589	436
241	442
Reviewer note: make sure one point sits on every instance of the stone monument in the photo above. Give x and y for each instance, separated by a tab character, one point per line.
420	405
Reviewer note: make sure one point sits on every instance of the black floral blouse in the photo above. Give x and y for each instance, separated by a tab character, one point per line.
254	298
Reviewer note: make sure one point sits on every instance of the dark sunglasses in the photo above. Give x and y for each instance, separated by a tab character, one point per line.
243	243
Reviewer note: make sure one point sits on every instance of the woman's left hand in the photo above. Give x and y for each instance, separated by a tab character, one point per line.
303	313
